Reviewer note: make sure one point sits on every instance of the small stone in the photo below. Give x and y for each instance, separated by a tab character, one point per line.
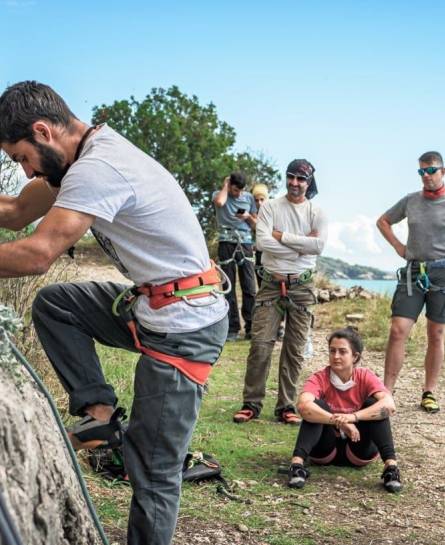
355	317
242	528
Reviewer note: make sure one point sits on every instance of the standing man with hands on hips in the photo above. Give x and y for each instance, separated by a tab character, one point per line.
422	281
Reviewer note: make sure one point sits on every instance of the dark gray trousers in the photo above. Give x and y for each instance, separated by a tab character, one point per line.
69	318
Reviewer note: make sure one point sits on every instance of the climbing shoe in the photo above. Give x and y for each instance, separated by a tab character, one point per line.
391	479
89	433
280	333
289	416
244	415
429	403
298	476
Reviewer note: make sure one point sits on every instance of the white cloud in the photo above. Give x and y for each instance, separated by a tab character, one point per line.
359	241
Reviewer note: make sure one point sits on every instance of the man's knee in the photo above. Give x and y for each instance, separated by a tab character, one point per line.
399	331
45	297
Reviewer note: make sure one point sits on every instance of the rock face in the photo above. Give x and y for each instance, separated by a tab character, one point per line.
39	485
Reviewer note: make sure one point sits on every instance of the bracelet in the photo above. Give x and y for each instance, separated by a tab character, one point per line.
356	418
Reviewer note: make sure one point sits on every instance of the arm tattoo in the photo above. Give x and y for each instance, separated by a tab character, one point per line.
384	413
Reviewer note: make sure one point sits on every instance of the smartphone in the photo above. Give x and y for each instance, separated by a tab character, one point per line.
241	211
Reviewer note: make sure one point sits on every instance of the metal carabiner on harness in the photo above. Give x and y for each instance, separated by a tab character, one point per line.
422	279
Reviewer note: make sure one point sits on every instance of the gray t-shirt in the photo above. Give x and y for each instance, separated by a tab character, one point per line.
144	223
226	215
426	225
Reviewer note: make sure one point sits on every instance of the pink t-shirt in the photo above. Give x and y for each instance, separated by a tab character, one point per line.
350	401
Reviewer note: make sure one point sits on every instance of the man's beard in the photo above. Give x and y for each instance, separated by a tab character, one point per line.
52	164
295	191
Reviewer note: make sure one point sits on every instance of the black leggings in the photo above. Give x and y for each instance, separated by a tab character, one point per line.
320	441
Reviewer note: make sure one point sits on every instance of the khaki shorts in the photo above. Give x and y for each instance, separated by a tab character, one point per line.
410	306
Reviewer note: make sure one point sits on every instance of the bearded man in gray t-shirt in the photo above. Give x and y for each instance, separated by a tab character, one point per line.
422	281
93	178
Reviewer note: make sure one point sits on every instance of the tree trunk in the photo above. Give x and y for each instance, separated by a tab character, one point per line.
39	485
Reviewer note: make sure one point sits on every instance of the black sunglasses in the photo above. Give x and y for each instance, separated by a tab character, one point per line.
428	170
296	177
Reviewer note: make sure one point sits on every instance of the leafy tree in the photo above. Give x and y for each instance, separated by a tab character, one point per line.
189	140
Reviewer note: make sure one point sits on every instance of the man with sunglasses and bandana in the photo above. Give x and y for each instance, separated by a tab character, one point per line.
422	282
290	232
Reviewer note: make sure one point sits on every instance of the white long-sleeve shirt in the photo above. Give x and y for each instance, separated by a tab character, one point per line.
297	251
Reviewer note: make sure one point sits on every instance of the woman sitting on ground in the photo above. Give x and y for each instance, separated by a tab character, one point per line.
345	411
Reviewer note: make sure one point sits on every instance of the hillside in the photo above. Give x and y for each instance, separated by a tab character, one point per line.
336	268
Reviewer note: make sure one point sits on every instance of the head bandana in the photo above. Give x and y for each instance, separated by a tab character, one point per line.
301	167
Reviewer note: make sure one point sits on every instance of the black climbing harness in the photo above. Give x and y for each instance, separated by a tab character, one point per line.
417	272
284	301
229	234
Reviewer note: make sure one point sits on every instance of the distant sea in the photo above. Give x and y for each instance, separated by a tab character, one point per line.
387	287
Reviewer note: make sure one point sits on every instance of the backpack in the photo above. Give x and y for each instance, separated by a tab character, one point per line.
199	466
109	463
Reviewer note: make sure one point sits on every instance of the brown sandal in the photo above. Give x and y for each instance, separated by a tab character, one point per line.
244	415
289	417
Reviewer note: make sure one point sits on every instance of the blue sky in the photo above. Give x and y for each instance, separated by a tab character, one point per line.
356	87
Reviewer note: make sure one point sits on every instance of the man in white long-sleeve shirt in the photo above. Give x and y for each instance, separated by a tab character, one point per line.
291	232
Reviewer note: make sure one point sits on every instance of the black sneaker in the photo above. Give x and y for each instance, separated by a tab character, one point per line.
391	479
89	433
298	475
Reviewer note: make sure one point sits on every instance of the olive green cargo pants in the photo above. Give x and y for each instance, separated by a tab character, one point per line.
266	319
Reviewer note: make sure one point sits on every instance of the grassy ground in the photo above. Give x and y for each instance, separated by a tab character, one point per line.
339	505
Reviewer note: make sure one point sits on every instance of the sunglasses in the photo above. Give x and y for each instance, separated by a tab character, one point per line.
296	177
428	170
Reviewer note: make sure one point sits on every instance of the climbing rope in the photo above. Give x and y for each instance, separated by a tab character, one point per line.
8	532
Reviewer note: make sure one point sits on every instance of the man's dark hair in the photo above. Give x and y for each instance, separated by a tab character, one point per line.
431	157
351	335
24	103
238	179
